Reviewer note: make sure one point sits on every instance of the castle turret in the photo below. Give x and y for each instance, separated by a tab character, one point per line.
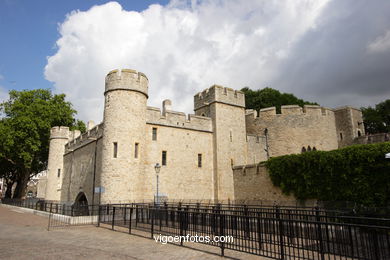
126	93
349	125
58	138
226	107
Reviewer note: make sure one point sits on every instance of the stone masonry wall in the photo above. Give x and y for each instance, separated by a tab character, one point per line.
79	170
181	178
124	128
252	183
295	128
255	149
349	124
58	138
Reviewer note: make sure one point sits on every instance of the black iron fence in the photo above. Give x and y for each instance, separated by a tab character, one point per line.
276	232
67	209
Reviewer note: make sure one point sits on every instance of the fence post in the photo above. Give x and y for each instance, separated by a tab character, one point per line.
136	215
351	240
246	218
160	217
50	218
259	230
376	247
98	222
131	214
166	213
151	213
281	242
124	215
318	218
221	232
181	226
113	218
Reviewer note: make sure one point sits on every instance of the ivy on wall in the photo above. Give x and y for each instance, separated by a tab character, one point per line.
358	173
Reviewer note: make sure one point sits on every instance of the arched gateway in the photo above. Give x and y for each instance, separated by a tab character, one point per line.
80	206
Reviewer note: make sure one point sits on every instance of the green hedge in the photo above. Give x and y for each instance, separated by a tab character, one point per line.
358	173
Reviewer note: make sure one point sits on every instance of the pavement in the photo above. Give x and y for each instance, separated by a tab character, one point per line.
25	236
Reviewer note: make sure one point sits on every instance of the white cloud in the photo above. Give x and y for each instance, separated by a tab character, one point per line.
380	44
182	49
3	94
1	77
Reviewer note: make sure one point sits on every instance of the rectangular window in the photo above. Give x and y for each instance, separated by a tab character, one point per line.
154	134
136	150
199	160
115	149
59	173
164	158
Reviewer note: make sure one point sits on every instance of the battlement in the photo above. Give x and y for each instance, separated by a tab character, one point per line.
59	132
250	113
176	119
127	79
74	134
346	108
85	138
312	110
219	94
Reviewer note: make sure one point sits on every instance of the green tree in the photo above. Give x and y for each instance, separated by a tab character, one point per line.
268	97
25	126
377	120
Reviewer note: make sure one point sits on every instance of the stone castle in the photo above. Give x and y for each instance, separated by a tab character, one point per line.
212	155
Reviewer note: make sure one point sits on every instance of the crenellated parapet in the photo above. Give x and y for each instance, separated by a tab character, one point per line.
219	94
294	128
126	79
307	110
59	132
80	140
177	119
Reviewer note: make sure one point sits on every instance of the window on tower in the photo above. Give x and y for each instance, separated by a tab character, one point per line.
164	158
154	133
136	146
115	149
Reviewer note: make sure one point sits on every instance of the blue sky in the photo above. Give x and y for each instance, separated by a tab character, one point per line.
29	30
335	53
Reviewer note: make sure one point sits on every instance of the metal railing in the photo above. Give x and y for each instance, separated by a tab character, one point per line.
272	232
279	232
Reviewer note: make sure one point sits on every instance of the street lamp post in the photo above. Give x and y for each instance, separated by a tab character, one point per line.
157	168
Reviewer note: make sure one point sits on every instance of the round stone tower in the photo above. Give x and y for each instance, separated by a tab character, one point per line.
58	138
126	94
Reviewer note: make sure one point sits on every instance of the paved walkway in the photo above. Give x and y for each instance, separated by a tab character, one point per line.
25	236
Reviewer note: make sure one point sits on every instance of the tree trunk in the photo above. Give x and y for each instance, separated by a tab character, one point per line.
20	190
8	191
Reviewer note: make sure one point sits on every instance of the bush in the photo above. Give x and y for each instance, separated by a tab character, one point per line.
358	173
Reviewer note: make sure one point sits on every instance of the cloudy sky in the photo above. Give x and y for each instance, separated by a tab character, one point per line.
333	52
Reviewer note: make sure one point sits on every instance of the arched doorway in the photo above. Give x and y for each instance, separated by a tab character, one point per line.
80	206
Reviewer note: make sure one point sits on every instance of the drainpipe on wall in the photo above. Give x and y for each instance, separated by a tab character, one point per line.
94	174
266	142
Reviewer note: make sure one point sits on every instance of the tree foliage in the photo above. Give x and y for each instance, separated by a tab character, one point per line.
24	132
377	120
358	173
268	97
